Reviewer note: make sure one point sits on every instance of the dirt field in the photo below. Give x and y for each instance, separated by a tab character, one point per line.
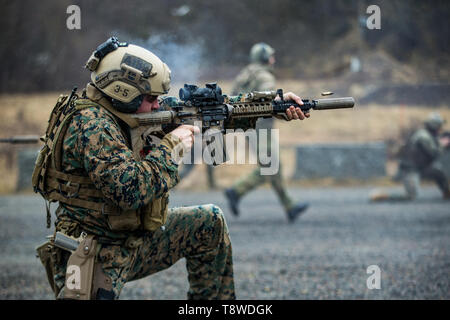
28	114
324	255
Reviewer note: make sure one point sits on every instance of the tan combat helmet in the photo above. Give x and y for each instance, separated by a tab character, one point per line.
261	52
434	121
127	72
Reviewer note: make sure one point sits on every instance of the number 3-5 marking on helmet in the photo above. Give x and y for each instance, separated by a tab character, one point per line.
118	89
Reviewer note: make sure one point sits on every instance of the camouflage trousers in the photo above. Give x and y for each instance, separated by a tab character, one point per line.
255	179
198	233
411	181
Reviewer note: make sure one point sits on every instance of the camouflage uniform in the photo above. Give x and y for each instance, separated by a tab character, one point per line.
96	144
259	77
421	159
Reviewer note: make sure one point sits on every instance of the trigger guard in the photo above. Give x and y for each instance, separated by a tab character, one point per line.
151	132
154	138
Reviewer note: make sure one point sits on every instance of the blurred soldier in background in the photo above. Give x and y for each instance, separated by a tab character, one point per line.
420	158
187	169
258	76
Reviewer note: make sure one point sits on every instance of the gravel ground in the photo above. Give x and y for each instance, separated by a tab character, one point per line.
324	255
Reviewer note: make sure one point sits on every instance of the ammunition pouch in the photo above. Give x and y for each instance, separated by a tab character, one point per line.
155	214
150	217
128	220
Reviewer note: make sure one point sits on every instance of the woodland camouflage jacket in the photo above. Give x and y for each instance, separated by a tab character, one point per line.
96	144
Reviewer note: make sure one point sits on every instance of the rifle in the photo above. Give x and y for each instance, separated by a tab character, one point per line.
21	139
218	111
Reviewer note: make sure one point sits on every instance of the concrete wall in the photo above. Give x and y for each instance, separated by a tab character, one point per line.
340	161
350	160
26	159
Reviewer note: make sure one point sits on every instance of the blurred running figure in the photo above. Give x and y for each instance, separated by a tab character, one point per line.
258	76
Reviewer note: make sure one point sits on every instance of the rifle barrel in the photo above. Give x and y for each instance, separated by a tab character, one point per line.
334	103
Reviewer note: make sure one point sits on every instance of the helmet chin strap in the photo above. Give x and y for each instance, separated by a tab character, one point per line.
130	107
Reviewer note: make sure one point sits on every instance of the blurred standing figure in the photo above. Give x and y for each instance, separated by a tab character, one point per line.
258	76
421	158
187	169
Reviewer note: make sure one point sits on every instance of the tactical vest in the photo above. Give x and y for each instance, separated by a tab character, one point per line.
54	184
415	155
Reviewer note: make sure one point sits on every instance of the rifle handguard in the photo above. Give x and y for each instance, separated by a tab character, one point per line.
280	106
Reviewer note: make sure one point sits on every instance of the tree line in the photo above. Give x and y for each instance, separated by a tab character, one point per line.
201	39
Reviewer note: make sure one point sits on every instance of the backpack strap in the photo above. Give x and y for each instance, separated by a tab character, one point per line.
49	179
57	145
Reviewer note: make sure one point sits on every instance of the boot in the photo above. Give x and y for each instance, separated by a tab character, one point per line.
296	211
379	196
233	201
